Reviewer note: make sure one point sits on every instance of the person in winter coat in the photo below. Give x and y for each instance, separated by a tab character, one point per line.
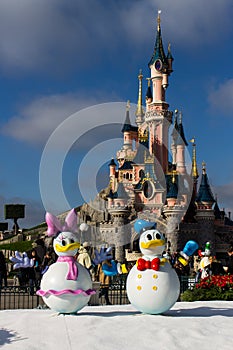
3	270
34	273
83	256
104	280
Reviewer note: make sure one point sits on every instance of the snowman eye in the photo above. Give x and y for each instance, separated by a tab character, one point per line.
149	237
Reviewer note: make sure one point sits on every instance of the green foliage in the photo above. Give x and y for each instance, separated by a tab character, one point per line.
20	246
211	288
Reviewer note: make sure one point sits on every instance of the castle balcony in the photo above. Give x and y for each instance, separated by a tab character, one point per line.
174	211
121	211
158	116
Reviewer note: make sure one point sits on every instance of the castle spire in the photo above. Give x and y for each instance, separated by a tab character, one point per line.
158	48
127	124
180	129
139	112
195	174
205	195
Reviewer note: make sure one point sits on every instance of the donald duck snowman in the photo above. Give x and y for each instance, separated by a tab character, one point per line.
153	286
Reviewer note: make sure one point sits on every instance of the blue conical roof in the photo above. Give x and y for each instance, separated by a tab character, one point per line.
127	124
158	48
205	194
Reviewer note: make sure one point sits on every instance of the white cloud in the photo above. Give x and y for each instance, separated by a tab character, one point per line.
37	120
220	98
57	35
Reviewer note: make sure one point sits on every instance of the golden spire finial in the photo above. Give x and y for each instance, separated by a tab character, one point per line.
158	19
195	174
128	105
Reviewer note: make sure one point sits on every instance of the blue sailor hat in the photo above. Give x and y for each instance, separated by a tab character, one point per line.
143	225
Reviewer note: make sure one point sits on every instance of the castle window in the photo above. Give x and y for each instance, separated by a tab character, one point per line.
141	173
148	189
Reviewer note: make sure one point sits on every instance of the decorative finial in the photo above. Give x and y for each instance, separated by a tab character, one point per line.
176	111
203	167
140	76
169	48
128	105
193	141
158	18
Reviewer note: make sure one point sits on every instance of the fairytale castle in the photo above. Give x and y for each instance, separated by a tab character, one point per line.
154	178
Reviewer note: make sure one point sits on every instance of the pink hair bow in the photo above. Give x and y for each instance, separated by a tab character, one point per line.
55	226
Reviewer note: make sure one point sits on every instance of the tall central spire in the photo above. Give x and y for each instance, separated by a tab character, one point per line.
139	112
194	160
158	48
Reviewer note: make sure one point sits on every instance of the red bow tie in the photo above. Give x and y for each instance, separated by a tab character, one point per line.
146	264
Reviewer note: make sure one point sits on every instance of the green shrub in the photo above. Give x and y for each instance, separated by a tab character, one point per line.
211	288
22	246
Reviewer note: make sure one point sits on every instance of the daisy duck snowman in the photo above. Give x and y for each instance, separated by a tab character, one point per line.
66	286
152	285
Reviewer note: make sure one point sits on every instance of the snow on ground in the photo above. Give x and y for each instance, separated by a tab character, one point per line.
197	325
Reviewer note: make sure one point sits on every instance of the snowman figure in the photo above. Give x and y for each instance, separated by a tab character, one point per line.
66	286
152	285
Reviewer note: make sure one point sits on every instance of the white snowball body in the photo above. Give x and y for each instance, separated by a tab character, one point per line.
153	292
55	279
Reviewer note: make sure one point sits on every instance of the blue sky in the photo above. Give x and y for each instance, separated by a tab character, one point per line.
58	57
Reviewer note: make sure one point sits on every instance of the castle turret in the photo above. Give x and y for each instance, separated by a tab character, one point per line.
127	152
157	116
205	198
120	212
205	212
112	174
181	143
191	211
172	192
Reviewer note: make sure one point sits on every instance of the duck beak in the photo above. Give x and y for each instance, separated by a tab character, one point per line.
66	248
153	244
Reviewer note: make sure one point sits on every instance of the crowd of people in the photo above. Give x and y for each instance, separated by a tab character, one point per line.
43	257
